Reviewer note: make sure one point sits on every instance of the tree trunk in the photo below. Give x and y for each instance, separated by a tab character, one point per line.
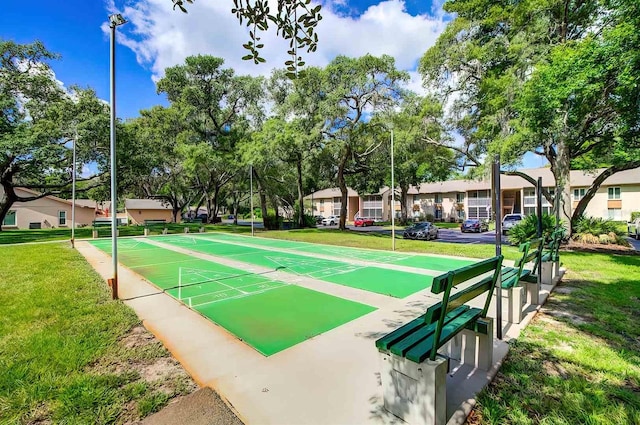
301	222
403	204
561	169
342	184
263	198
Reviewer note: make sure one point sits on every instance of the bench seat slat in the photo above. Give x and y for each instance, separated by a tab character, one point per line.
401	347
391	338
422	350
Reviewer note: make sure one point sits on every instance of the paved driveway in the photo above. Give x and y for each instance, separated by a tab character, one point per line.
444	235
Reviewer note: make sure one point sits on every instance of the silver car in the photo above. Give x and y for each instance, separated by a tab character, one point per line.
424	231
509	221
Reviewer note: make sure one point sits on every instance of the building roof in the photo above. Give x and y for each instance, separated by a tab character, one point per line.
86	203
146	204
333	192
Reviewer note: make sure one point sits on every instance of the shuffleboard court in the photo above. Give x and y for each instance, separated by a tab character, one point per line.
426	262
395	283
267	314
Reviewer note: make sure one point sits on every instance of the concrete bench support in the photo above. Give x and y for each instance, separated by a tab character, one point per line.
547	274
516	302
415	392
533	293
201	229
186	230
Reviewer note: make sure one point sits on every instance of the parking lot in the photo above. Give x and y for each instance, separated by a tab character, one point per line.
444	235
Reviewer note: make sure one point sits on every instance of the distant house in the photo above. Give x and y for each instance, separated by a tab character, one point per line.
139	210
47	212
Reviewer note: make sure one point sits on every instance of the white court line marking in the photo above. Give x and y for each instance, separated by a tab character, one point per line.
249	294
321	269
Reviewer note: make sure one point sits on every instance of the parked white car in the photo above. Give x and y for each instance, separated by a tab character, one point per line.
633	228
509	221
331	220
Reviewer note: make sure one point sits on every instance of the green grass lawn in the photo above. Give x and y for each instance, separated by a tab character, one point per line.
68	354
578	362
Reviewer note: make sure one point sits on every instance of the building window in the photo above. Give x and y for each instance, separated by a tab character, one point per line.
529	198
614	193
372	206
9	219
460	198
578	194
62	218
461	214
438	199
479	204
615	214
416	199
337	206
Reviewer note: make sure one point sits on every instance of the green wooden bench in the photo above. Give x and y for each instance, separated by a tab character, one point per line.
551	257
100	224
410	350
511	277
157	225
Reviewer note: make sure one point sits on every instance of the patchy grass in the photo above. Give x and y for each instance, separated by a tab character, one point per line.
67	353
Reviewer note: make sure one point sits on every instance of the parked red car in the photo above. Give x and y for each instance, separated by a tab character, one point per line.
363	221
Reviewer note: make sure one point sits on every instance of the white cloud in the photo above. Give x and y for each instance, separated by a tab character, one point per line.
162	37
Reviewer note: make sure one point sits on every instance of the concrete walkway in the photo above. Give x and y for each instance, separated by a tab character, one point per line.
333	378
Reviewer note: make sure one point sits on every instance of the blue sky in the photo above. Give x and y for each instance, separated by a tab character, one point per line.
74	29
158	37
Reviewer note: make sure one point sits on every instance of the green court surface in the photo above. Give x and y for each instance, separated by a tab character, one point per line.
395	283
387	257
267	314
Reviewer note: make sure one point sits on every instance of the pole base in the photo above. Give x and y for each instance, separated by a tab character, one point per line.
113	284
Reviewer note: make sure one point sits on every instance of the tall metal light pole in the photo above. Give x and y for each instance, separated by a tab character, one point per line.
393	201
251	196
497	208
114	21
73	194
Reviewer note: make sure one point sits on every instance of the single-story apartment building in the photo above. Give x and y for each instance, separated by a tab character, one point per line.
48	212
139	210
455	200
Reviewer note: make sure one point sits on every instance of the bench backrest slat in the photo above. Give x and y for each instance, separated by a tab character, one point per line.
445	283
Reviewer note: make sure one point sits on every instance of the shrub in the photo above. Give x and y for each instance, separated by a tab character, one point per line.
593	230
634	215
527	229
596	226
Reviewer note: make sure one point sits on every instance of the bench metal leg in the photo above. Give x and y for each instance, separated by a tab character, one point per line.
415	392
516	301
